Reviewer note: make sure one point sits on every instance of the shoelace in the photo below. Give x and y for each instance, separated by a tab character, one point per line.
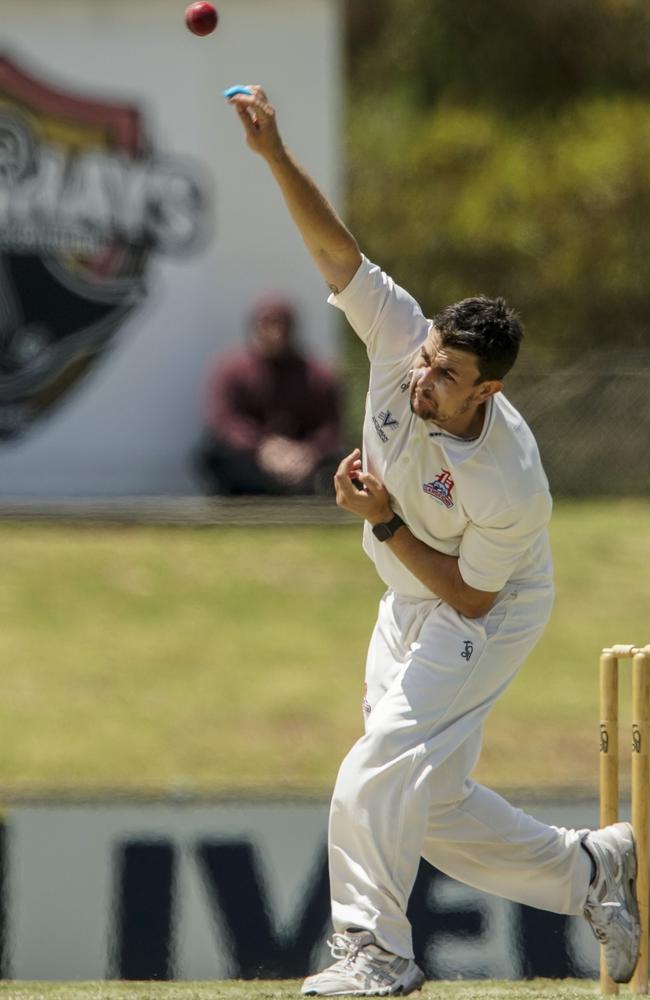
346	950
343	948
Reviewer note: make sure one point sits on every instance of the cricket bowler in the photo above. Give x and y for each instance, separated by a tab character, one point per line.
456	506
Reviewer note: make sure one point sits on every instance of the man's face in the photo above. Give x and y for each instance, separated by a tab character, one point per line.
272	338
445	383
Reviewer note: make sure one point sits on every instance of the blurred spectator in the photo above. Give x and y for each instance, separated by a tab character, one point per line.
272	415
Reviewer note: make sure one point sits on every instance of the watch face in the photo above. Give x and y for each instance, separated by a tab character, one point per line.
382	532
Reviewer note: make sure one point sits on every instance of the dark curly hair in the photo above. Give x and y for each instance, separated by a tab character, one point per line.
486	327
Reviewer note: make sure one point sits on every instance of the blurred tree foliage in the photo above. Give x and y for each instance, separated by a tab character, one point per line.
503	146
512	55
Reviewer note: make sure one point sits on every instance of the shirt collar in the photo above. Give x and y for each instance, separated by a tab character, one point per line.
460	449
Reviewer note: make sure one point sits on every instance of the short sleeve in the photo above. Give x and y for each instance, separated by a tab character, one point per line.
386	318
489	553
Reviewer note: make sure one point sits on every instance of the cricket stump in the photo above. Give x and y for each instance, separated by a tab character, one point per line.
640	782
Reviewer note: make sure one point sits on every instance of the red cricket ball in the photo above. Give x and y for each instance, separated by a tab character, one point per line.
201	18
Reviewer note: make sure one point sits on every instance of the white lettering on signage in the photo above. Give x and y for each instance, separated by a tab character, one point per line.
90	199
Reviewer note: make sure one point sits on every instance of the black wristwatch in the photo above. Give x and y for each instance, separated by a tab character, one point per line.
386	530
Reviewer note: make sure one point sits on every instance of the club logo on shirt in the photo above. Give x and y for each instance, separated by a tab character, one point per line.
384	421
466	653
441	488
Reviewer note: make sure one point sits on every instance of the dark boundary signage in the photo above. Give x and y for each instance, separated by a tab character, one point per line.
236	890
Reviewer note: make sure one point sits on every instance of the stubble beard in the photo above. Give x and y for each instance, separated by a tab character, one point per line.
430	413
433	412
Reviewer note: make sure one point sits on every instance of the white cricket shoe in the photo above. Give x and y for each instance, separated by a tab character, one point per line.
363	969
611	906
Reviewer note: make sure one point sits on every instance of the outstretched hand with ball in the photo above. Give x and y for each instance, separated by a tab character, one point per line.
258	118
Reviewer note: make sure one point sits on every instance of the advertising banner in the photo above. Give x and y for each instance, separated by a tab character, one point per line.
237	890
137	229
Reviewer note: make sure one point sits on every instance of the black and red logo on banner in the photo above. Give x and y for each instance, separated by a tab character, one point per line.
84	203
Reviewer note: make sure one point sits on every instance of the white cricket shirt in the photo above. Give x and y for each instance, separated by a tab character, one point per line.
486	501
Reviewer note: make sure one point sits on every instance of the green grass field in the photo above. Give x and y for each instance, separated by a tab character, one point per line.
570	989
228	659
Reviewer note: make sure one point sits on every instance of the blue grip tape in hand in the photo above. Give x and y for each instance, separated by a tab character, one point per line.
237	89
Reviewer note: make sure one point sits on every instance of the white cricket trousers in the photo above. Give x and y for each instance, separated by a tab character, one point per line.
403	792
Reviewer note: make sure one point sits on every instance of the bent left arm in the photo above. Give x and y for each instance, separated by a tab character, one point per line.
438	571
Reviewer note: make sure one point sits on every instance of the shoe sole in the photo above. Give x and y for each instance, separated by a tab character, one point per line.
630	868
364	993
399	992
